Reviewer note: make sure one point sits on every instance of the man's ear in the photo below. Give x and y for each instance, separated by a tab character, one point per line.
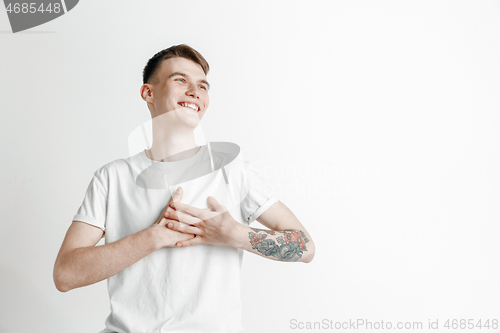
147	93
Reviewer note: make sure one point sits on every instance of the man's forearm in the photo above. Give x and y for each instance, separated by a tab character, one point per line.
87	265
286	245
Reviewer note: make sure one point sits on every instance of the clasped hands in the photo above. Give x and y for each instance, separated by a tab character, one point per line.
213	225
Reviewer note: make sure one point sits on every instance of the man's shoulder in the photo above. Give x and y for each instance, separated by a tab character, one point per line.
117	166
224	153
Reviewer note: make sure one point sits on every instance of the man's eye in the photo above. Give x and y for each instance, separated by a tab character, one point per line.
203	87
180	79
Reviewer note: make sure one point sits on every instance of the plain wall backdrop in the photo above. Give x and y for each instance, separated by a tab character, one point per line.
376	122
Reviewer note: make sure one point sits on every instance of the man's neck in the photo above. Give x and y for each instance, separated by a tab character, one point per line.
172	144
173	137
184	154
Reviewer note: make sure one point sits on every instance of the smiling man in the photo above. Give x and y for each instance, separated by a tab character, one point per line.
172	257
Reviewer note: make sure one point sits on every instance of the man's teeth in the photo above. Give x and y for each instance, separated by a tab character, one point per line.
189	105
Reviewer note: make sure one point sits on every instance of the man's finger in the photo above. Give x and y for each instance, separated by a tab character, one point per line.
192	241
201	213
162	218
212	202
183	217
181	227
177	196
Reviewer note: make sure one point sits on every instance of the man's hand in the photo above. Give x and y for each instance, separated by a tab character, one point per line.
215	225
81	263
163	236
210	225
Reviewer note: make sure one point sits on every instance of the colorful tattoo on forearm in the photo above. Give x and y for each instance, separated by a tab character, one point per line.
291	243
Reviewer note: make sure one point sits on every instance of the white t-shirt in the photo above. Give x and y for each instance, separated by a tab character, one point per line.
191	289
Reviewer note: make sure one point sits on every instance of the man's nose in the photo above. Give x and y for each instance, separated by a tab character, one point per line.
193	92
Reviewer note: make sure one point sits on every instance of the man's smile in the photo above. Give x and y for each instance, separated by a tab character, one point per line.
193	106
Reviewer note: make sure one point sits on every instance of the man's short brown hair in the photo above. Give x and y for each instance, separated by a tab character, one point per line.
182	51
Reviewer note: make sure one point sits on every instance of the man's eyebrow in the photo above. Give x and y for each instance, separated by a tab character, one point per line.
185	75
205	81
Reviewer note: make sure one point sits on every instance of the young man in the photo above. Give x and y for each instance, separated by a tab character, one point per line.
173	260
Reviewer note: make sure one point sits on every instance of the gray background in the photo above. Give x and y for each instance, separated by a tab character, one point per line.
376	122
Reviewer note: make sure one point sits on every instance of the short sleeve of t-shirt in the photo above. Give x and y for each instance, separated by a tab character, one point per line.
93	208
260	195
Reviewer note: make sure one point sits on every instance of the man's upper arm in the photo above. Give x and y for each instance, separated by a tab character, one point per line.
80	234
280	217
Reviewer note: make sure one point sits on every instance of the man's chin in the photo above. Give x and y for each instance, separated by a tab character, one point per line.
177	117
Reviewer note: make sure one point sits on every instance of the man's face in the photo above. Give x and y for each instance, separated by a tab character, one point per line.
180	85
